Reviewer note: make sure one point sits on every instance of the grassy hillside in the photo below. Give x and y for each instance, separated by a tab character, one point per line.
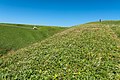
108	22
16	36
86	52
114	25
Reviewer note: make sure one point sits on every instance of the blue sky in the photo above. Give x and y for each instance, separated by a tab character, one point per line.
58	12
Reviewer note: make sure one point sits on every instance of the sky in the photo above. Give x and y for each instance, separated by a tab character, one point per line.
58	12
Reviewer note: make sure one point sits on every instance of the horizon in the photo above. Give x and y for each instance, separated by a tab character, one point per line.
56	25
58	13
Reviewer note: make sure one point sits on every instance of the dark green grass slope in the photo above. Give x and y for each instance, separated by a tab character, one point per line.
87	52
14	36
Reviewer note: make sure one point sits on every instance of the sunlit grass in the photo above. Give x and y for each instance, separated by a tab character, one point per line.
16	36
86	52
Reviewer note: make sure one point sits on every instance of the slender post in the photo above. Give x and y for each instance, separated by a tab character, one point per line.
100	20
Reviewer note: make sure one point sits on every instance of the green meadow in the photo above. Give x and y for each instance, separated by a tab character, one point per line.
16	36
84	52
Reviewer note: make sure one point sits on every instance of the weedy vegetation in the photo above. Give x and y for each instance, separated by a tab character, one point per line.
85	52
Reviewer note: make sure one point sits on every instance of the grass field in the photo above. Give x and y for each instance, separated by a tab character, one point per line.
16	36
85	52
